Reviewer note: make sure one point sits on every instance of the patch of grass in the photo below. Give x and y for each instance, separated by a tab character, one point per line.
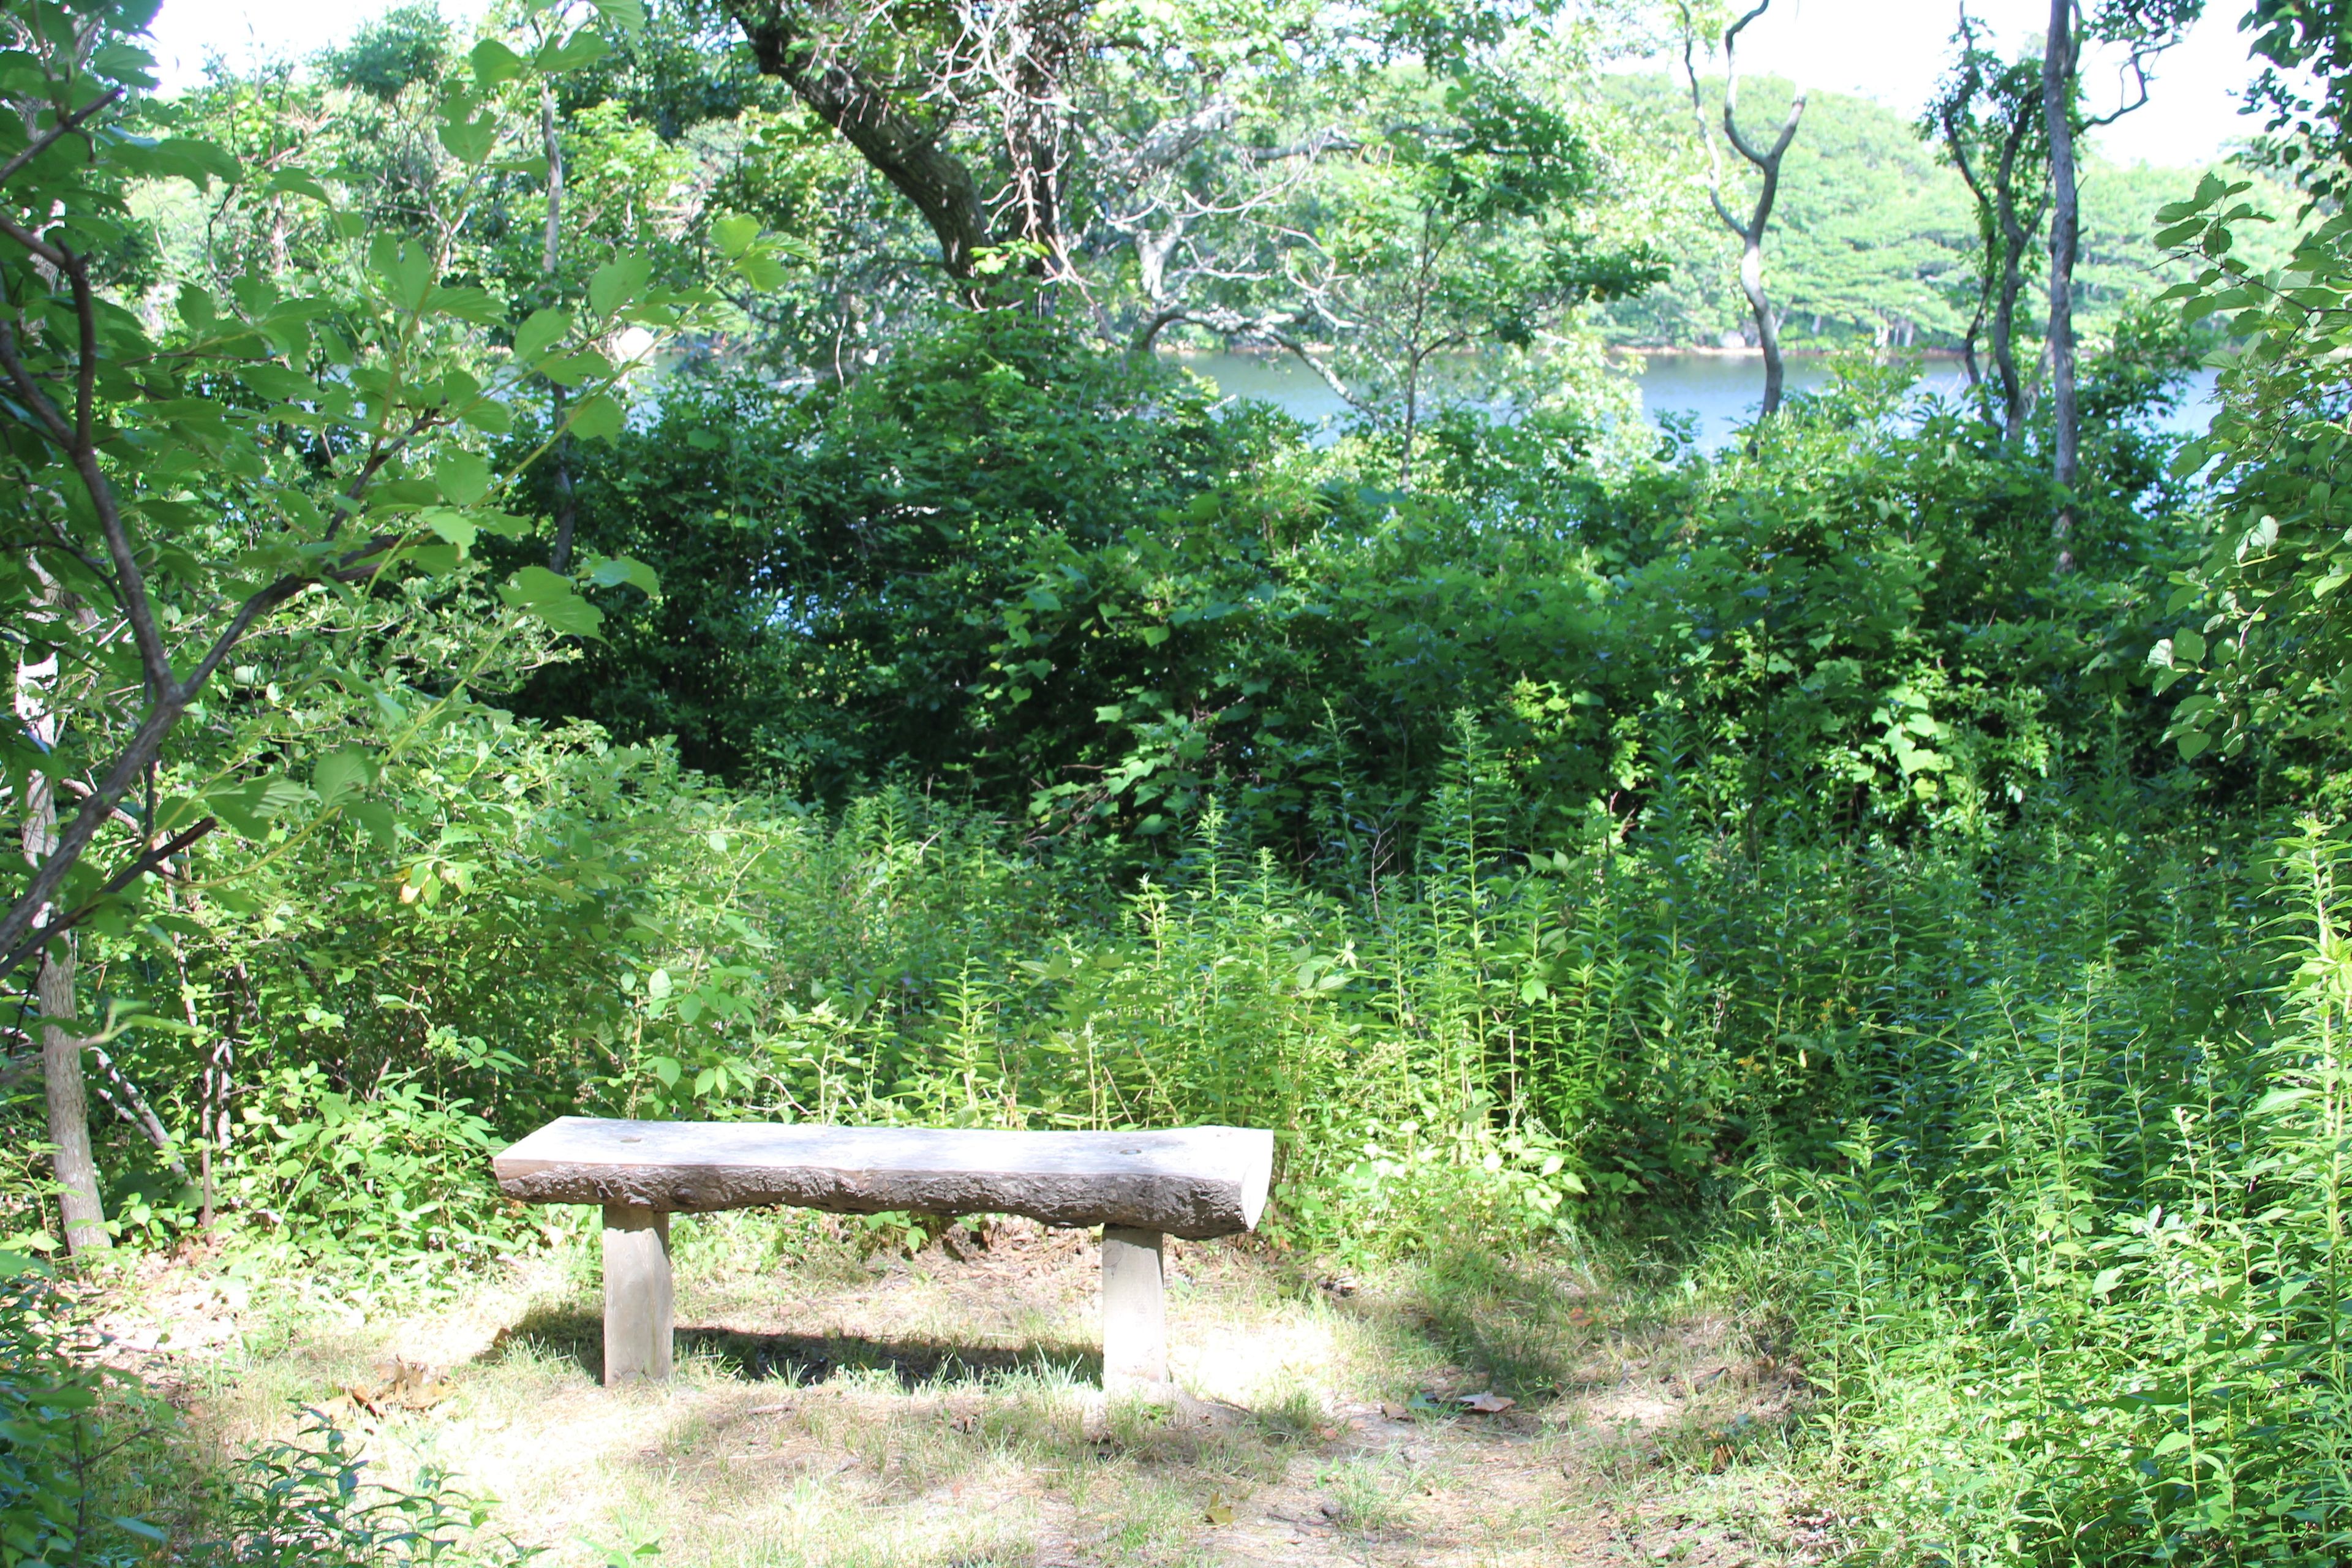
1372	1493
876	1432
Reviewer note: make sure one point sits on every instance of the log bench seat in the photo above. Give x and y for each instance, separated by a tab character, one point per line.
1191	1182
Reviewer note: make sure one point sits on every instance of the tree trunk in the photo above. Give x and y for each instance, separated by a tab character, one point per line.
1767	328
2004	343
83	1210
2058	109
1411	421
1767	163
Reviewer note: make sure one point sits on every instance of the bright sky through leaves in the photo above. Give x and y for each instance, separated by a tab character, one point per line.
1890	50
1893	50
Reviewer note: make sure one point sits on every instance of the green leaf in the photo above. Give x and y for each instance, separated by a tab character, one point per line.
582	48
377	820
761	271
2190	647
464	478
493	63
455	527
405	271
469	141
539	593
735	234
618	283
466	304
543	330
2193	744
623	569
597	417
343	773
576	369
624	16
249	808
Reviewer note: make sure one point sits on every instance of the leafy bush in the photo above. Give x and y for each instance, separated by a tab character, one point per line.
2075	1295
309	1503
66	1426
373	1182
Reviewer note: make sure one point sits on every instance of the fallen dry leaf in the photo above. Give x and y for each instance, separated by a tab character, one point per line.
407	1385
1487	1404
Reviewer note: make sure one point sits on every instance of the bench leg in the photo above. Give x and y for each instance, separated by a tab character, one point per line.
1135	1310
636	1294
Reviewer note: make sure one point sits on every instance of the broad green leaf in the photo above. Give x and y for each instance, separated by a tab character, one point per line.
543	330
455	527
466	304
493	63
249	808
543	594
343	773
582	48
623	569
577	368
377	819
404	271
597	417
623	16
761	271
735	234
469	141
465	478
618	283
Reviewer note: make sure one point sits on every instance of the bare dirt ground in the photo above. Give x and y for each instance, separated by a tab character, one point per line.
841	1406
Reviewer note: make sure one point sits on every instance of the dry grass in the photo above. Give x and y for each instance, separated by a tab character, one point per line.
838	1406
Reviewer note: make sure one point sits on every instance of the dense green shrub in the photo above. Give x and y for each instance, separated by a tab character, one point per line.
67	1429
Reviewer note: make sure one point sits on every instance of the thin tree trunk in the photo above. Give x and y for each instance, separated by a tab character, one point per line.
1411	421
2004	343
1767	163
2058	109
2006	236
1768	325
81	1207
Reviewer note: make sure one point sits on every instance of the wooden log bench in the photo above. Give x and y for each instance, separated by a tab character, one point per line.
1193	1181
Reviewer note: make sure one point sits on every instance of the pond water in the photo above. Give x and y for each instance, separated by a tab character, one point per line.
1722	390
